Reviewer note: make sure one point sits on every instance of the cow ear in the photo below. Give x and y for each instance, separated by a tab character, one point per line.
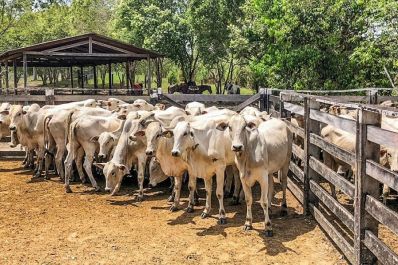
99	165
167	134
187	112
122	167
5	112
140	133
222	126
24	112
251	126
94	139
265	116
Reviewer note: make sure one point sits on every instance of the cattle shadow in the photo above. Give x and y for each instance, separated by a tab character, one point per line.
131	202
5	170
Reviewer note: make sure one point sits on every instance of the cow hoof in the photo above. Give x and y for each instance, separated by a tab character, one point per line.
68	190
170	199
189	209
173	208
268	233
222	221
234	201
35	176
84	181
140	198
283	212
97	189
204	215
247	227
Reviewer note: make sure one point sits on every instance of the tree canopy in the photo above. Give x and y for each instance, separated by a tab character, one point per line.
301	44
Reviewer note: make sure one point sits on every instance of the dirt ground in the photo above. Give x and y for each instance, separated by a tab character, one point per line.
40	224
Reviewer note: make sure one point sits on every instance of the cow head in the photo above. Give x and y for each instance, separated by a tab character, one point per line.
156	175
114	174
152	133
106	141
17	117
184	138
240	131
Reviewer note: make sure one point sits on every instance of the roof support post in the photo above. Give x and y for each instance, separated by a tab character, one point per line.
25	72
110	78
1	77
149	75
71	76
81	76
95	77
90	45
6	76
127	75
14	65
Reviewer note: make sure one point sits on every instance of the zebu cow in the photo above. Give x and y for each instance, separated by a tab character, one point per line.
5	109
126	153
83	134
195	108
260	150
206	152
56	131
111	103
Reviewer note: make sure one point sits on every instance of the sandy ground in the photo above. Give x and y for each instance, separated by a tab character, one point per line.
40	224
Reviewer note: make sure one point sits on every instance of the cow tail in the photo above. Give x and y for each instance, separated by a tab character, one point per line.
67	125
47	120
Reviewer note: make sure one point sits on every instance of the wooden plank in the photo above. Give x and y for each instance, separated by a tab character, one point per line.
382	213
383	253
248	101
295	129
22	98
13	153
72	98
332	232
338	122
382	174
382	136
296	191
76	54
334	206
274	99
65	47
296	171
294	108
333	149
332	176
298	151
211	98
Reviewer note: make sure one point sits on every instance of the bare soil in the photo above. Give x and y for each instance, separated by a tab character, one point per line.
40	224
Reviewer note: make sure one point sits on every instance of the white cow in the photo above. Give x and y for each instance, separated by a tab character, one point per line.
260	150
83	134
195	108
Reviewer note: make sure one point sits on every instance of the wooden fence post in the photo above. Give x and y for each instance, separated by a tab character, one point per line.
50	99
262	101
364	185
372	96
310	126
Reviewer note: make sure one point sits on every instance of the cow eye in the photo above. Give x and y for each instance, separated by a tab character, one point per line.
192	134
113	173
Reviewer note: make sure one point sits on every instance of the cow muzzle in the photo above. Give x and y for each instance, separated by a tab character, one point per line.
101	156
149	153
13	128
175	153
237	147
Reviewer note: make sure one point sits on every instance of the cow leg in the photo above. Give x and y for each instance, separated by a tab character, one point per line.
79	164
228	181
192	192
40	161
58	162
68	171
177	192
271	190
220	196
208	186
88	163
140	172
328	161
283	180
238	186
249	201
264	182
171	188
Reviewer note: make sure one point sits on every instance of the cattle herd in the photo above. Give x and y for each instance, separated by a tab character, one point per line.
198	141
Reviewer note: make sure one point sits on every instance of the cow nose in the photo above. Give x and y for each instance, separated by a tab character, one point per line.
13	128
237	147
1	122
175	153
150	186
149	152
101	156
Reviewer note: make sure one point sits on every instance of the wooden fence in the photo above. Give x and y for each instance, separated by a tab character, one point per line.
354	229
